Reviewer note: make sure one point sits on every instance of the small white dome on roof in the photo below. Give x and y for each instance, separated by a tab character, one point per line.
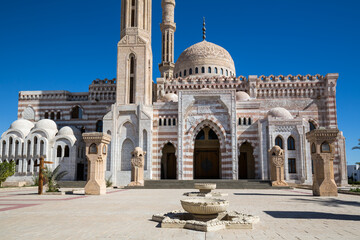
171	97
68	131
242	96
280	112
22	124
46	124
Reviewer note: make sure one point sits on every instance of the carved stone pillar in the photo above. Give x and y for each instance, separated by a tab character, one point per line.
277	160
96	150
323	154
137	167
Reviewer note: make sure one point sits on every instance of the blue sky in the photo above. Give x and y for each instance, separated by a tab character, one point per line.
65	44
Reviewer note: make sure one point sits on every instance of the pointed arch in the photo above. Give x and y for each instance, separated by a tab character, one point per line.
279	142
126	149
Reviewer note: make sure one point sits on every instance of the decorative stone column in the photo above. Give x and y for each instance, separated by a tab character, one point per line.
96	150
137	167
323	154
277	160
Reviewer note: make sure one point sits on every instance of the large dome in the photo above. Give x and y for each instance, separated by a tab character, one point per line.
205	58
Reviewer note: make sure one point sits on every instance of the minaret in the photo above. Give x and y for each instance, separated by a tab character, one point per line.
168	28
134	60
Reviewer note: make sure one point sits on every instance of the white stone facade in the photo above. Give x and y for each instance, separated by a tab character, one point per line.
24	142
198	116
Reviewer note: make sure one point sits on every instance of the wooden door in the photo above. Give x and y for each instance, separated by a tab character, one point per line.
171	166
206	164
243	165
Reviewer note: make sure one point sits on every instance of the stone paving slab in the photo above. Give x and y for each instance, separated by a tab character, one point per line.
126	214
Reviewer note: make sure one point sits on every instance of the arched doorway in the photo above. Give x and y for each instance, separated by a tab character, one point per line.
207	155
168	162
246	161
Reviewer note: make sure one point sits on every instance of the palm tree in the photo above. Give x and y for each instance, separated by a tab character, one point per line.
52	176
358	146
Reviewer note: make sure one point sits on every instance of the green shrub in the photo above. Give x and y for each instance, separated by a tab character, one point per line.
6	170
355	190
108	181
52	176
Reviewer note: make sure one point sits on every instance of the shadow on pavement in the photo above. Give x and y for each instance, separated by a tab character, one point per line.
312	215
272	194
330	202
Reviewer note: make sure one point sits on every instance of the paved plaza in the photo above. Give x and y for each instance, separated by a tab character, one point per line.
126	214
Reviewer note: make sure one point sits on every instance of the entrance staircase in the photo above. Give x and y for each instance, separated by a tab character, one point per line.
220	184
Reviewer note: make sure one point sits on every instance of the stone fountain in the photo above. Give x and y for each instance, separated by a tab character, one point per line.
205	190
205	214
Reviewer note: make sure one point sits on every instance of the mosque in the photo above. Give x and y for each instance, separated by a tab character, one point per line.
198	121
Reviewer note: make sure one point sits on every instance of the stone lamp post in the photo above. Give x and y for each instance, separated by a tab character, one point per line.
277	160
96	153
323	154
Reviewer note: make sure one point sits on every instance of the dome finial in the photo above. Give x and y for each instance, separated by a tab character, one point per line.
204	30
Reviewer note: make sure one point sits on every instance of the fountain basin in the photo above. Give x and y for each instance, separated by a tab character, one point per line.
204	206
205	187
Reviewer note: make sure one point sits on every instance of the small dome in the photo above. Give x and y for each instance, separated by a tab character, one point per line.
68	131
46	124
242	96
22	125
171	97
214	59
280	112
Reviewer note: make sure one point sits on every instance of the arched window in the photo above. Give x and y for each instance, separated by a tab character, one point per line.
67	151
58	115
196	70
174	122
279	142
58	151
76	112
10	146
180	74
291	143
99	126
203	70
177	75
46	115
133	14
190	71
52	116
35	146
169	122
313	148
28	147
312	126
240	122
222	71
227	72
249	121
325	147
41	148
185	73
216	70
160	122
244	121
132	79
165	123
200	135
212	135
28	166
209	69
